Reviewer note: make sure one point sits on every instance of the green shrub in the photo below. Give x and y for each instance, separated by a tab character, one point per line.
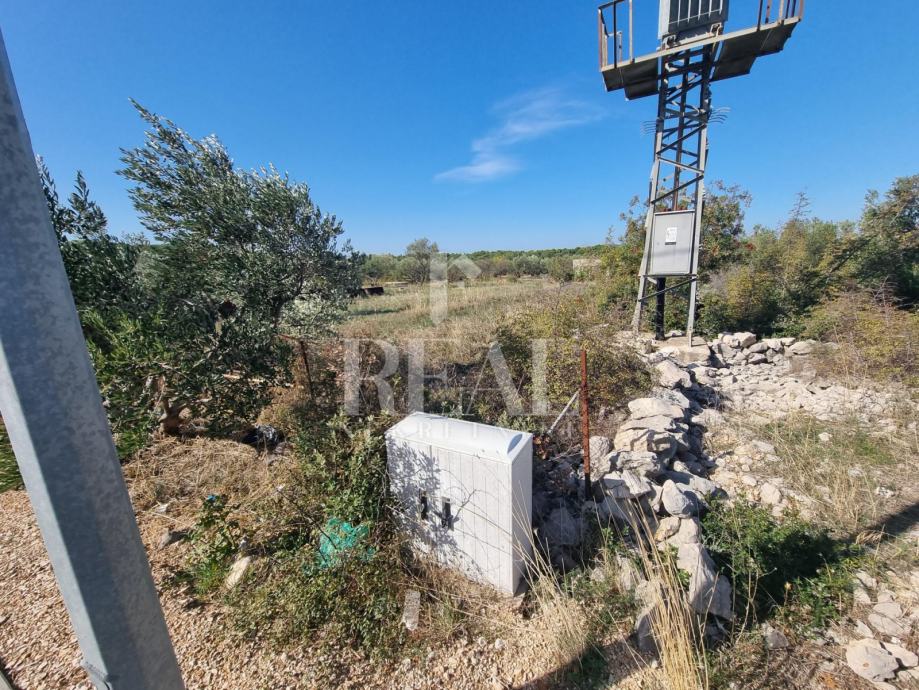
561	269
215	541
768	280
602	596
298	592
615	372
790	565
874	338
745	299
356	601
343	465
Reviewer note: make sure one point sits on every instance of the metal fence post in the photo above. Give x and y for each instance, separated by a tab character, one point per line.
58	429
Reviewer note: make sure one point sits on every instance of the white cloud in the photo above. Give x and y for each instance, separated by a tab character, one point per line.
525	117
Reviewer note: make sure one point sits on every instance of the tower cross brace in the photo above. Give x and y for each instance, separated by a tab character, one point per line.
678	170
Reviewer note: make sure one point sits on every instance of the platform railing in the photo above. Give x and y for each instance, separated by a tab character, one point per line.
611	28
784	9
604	33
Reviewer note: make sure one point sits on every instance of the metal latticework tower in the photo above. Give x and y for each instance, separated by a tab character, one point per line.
678	171
694	50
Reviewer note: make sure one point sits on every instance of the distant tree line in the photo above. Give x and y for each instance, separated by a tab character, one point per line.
413	265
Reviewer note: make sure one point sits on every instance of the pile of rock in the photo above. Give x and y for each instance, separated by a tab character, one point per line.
655	468
741	349
879	649
656	472
774	377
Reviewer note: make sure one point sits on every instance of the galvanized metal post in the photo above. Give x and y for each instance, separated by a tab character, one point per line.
58	429
705	107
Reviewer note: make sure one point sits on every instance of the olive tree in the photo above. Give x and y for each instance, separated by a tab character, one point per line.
188	327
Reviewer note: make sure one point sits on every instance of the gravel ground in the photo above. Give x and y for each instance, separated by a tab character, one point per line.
38	650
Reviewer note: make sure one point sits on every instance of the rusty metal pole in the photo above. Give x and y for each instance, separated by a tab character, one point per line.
585	424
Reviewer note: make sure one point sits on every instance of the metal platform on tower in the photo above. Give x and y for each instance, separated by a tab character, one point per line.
734	52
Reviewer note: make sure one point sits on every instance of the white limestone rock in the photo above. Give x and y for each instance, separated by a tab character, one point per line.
657	423
774	638
237	571
672	376
611	508
699	485
651	407
871	661
561	528
906	658
600	446
626	485
689	532
666	528
679	502
770	494
709	592
708	419
642	463
646	440
745	339
801	348
887	626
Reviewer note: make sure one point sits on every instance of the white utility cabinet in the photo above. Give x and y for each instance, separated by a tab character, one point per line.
465	494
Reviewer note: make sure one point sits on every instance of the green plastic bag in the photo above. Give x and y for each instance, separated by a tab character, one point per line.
340	538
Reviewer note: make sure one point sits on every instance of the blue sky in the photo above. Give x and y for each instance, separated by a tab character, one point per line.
481	125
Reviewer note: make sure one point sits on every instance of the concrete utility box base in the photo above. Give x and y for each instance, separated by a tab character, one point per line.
683	350
465	494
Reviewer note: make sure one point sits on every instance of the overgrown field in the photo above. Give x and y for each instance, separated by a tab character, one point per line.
467	314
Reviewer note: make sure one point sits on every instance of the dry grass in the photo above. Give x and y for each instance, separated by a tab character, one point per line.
454	606
562	624
183	473
677	631
845	479
473	313
287	407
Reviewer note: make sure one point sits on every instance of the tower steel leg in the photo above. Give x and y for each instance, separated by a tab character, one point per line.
659	311
680	143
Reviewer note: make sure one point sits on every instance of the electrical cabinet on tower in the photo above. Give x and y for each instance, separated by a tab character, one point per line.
671	243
